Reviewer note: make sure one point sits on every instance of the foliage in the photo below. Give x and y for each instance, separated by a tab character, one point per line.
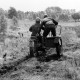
12	12
76	16
2	12
20	15
3	24
55	12
31	16
63	17
40	14
53	16
15	21
14	24
77	30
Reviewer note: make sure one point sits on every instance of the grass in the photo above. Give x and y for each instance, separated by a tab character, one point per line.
67	69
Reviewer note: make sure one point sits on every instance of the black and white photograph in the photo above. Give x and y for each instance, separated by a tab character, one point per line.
39	39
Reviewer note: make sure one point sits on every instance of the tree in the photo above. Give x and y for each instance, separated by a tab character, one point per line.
76	16
53	16
40	14
26	14
20	15
34	16
12	12
14	25
53	12
57	9
3	24
2	12
64	17
15	21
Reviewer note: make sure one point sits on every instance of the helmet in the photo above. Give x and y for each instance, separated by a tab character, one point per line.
37	20
45	15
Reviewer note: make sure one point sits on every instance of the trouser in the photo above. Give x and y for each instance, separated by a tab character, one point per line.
49	28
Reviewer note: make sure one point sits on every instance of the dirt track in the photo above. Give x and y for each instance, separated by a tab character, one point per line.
55	69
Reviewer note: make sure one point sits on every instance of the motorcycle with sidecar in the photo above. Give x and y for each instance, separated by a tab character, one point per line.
39	47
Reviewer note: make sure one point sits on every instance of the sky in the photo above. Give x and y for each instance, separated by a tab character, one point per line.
39	5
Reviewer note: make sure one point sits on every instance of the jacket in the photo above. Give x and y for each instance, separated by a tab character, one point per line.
48	21
35	29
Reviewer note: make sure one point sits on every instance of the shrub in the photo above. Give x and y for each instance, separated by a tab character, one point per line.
3	24
12	12
14	24
76	16
64	17
77	29
15	21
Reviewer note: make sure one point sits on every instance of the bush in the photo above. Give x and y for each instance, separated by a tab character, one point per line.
12	12
3	24
77	29
76	16
64	17
15	21
14	25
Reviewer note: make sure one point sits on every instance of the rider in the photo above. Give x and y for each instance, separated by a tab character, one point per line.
35	28
48	24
